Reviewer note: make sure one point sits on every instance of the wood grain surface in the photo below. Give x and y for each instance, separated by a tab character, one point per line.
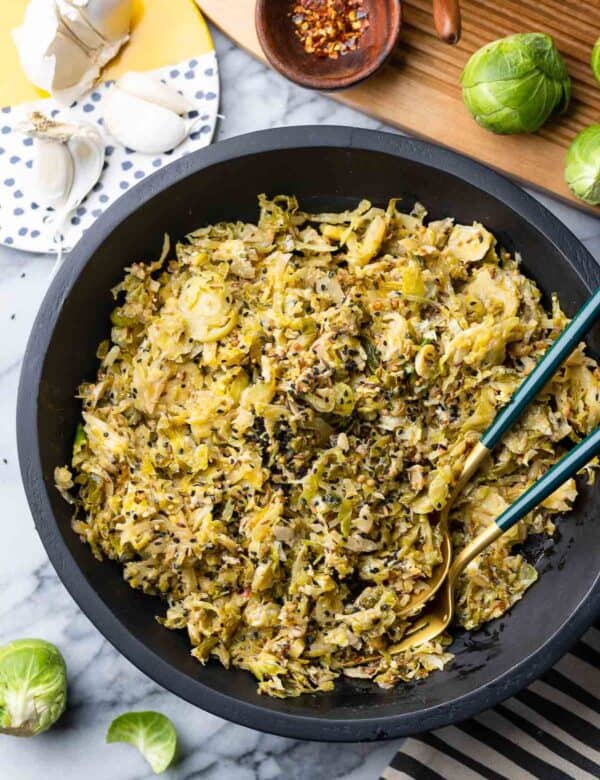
418	91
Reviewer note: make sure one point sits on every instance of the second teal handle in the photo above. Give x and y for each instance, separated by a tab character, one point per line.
566	468
545	369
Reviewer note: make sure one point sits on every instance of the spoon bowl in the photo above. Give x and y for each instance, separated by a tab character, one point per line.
440	573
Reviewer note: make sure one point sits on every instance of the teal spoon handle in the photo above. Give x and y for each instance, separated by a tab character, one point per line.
545	369
566	467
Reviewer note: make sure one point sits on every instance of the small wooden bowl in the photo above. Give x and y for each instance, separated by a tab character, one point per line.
286	54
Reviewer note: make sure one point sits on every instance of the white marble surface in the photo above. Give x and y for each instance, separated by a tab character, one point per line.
34	603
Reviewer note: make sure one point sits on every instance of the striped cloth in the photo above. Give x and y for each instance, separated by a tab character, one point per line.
549	731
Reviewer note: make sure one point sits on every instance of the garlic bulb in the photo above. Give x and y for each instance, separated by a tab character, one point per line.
143	113
110	18
68	162
64	44
71	16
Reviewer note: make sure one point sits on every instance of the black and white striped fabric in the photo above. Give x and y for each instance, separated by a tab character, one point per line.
549	731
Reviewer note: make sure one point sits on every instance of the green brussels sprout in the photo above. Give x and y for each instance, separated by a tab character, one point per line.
512	85
595	61
582	171
33	687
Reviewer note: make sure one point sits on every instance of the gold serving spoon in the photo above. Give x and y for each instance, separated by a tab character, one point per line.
438	615
470	467
527	391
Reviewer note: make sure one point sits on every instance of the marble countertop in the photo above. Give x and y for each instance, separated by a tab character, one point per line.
34	603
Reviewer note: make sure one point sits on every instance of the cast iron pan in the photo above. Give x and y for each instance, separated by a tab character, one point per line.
326	167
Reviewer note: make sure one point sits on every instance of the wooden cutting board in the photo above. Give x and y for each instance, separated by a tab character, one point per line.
418	91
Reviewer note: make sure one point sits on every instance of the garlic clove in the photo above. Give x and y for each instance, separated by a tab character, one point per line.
148	87
142	113
86	148
53	172
69	162
143	126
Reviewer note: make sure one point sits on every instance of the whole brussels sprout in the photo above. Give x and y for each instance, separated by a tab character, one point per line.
595	61
33	687
582	171
512	85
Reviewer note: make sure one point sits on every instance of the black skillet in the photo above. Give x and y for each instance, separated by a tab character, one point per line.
326	167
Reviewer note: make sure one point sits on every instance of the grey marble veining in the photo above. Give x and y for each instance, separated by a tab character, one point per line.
34	603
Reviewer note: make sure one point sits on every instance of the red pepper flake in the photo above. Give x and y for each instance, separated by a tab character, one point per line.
329	28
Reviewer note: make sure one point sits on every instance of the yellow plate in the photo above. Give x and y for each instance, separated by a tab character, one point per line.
164	32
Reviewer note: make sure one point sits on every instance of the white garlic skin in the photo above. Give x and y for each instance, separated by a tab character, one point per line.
142	126
112	18
73	19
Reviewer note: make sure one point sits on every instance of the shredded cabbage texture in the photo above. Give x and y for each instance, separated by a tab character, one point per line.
279	414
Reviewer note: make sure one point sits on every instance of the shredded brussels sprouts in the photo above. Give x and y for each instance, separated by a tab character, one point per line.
282	408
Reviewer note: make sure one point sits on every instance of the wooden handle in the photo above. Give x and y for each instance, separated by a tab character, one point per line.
446	17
